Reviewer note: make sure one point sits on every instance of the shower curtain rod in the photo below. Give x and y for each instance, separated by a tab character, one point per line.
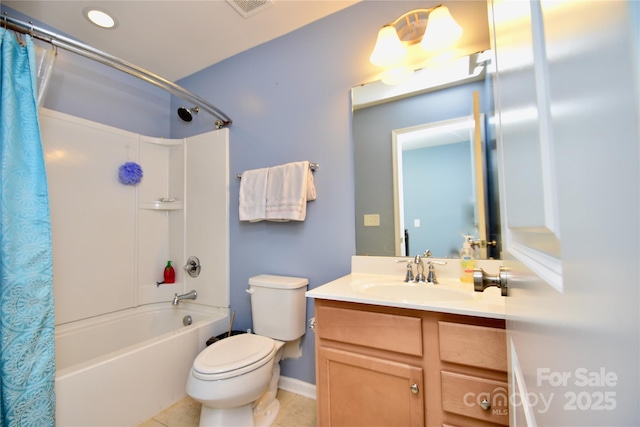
114	62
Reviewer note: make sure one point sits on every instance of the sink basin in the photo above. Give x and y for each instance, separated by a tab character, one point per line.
413	292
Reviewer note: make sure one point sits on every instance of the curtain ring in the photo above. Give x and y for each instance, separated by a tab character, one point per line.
4	20
31	28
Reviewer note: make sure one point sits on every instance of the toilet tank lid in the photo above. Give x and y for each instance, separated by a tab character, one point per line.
280	282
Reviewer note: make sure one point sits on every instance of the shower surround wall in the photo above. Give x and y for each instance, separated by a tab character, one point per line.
110	245
111	241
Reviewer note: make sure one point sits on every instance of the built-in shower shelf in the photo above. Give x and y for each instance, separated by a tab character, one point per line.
162	205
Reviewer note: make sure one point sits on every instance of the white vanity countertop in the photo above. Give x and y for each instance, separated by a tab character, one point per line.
367	271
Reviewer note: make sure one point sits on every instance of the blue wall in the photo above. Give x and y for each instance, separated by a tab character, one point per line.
289	100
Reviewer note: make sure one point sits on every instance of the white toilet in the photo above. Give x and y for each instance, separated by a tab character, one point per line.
236	379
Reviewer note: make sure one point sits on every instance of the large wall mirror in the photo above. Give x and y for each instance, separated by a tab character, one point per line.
425	167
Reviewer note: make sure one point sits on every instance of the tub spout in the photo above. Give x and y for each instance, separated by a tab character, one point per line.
189	295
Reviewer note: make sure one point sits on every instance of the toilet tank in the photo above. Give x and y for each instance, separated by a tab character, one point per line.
278	306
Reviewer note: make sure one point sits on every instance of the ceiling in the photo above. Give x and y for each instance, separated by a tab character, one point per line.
176	38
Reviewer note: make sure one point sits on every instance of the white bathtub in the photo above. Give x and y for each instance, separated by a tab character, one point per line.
122	368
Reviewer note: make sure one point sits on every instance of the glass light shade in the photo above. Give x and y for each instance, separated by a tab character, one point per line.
389	49
442	30
396	76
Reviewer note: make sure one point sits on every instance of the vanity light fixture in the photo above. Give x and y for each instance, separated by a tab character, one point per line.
396	76
100	17
434	28
442	30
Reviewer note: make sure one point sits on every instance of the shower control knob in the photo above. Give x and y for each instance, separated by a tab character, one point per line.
192	267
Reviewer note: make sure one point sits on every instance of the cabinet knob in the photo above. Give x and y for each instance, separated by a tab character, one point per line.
414	389
485	404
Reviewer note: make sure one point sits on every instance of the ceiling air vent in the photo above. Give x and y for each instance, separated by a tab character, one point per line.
247	8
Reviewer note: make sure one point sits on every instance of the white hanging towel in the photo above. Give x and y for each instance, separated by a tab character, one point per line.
289	187
253	195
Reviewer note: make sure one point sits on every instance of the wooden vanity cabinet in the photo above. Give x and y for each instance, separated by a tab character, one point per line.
385	366
369	367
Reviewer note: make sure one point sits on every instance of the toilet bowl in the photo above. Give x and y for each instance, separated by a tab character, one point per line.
236	378
230	375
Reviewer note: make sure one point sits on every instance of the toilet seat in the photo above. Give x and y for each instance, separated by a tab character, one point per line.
233	356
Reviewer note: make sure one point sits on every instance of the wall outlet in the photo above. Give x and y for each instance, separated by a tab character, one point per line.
372	220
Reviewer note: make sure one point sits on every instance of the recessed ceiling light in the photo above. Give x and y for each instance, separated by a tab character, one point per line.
100	17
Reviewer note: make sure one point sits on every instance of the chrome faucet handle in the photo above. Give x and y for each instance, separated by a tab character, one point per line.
409	276
431	276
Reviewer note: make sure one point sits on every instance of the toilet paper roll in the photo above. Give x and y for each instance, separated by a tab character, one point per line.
292	349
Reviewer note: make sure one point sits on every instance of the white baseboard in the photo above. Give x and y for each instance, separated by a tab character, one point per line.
298	387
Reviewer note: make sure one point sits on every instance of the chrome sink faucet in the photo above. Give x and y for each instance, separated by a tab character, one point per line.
431	275
419	263
189	295
420	277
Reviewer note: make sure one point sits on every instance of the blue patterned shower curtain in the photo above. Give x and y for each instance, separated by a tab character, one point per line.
27	359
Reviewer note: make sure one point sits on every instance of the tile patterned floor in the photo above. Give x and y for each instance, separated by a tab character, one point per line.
295	411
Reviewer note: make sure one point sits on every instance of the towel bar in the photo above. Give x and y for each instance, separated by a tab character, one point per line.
313	166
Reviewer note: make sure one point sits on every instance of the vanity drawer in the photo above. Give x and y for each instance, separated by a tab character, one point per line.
384	331
477	346
463	394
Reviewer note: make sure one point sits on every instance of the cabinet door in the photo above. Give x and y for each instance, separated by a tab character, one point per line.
358	390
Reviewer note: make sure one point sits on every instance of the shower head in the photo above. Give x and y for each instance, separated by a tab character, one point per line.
185	113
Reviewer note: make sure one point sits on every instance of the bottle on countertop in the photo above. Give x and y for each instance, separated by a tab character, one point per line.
169	273
467	261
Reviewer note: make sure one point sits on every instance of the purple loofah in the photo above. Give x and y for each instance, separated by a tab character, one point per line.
130	173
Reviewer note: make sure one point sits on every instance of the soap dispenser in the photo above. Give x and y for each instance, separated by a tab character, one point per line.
169	273
467	261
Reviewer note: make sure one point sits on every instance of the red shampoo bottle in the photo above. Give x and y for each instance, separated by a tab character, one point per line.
169	273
